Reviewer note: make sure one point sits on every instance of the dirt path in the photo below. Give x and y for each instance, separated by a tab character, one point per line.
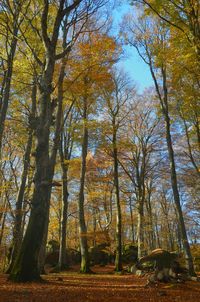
100	287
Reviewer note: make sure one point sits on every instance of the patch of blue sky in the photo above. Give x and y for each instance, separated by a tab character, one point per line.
131	62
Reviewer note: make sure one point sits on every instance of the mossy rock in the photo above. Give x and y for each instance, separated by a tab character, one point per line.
130	254
99	254
72	257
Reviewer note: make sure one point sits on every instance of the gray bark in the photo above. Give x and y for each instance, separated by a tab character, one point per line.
174	182
118	257
18	230
65	154
26	264
85	265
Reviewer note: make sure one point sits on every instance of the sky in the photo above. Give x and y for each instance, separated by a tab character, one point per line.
131	61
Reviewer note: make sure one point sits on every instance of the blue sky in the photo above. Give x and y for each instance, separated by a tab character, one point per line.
132	63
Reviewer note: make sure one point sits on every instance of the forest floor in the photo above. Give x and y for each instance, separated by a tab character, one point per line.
103	286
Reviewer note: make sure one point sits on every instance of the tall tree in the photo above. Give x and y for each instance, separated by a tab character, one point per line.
94	57
18	228
116	97
26	266
11	19
137	158
150	38
65	151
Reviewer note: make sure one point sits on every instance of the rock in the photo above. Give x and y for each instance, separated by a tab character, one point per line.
172	274
160	276
139	273
133	269
152	278
194	278
130	253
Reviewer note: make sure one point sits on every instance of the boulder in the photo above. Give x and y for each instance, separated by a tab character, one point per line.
139	273
130	253
100	254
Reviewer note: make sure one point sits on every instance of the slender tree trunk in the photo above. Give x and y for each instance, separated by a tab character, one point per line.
140	176
64	155
62	263
18	232
157	231
150	224
3	226
171	244
4	202
164	105
174	182
132	221
8	74
197	126
118	258
189	146
66	145
94	224
140	229
85	265
185	242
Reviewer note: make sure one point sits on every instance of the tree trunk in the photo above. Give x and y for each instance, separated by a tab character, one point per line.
174	182
132	222
42	252
118	257
140	229
3	226
8	74
158	244
64	155
85	265
62	263
185	242
164	105
18	232
152	239
26	265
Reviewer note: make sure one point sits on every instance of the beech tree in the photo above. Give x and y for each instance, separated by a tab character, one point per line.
136	159
150	38
18	229
65	151
86	161
93	71
11	20
116	98
26	266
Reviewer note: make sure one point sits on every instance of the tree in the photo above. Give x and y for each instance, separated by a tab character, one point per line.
11	19
65	151
183	15
18	226
150	38
137	159
93	63
116	97
26	267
